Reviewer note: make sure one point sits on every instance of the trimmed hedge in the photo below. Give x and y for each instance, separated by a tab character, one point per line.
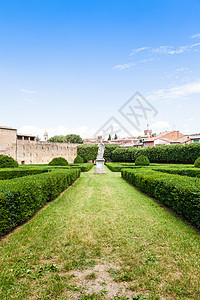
20	198
117	167
142	161
181	194
7	162
15	173
88	152
85	167
58	161
124	154
172	153
197	163
109	148
178	171
78	160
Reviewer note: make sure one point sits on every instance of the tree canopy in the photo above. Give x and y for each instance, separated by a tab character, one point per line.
70	138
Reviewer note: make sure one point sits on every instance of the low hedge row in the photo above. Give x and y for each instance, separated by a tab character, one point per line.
20	198
85	167
181	194
117	167
190	172
15	173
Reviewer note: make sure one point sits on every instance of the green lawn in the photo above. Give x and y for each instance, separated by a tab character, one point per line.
104	238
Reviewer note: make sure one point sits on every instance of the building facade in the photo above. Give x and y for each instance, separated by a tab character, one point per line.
26	150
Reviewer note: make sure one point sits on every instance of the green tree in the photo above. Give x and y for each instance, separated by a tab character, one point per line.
74	138
109	138
57	139
70	138
115	137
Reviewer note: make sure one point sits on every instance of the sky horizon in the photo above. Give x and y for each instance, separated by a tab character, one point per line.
72	66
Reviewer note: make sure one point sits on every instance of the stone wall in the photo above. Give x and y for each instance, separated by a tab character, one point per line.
8	138
30	152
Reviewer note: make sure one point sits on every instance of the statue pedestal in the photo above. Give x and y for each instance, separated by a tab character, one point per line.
100	166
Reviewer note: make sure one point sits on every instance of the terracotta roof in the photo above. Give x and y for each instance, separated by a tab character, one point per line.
180	140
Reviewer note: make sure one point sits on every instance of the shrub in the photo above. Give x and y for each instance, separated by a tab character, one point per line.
20	198
172	153
179	171
109	148
20	172
197	163
88	152
180	193
85	167
117	167
142	161
124	154
7	162
78	160
58	161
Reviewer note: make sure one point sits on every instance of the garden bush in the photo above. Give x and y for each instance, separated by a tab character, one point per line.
109	148
142	161
124	154
190	172
78	160
88	152
85	167
7	162
58	161
197	163
185	154
19	172
180	193
20	198
117	167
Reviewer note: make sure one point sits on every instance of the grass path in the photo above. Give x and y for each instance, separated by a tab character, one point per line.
104	238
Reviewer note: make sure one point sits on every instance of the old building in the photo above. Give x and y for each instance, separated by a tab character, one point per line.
163	138
26	150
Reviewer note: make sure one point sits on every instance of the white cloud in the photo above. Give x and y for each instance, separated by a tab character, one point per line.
161	50
176	92
195	45
123	66
181	70
195	36
180	50
29	100
28	91
139	50
130	65
160	126
83	131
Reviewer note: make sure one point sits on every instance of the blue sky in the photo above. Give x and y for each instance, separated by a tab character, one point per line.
68	66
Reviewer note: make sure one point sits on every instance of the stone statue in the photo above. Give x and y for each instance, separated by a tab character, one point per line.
101	149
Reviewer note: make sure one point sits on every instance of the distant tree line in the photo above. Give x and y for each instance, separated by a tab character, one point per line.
70	138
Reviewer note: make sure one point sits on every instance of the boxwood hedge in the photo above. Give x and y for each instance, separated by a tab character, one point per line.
20	198
180	193
190	172
85	167
19	172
